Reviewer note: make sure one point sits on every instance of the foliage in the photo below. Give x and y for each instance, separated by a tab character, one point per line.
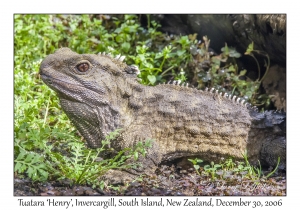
228	168
222	72
75	161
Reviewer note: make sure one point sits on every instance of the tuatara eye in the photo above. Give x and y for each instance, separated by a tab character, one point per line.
83	67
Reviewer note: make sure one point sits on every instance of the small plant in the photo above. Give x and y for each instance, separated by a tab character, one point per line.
259	99
196	163
222	72
33	164
252	171
211	169
81	165
257	172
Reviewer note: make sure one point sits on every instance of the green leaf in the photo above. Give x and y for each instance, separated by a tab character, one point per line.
17	167
43	173
231	69
21	156
148	143
184	40
243	72
180	52
225	49
199	160
207	167
136	155
250	48
118	30
30	171
159	55
193	161
216	61
28	158
125	46
196	167
235	55
217	166
152	79
119	38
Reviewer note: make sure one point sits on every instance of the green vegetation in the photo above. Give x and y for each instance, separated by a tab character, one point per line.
40	127
222	72
75	161
229	168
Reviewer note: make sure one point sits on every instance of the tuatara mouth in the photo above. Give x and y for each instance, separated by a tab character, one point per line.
46	78
72	90
59	86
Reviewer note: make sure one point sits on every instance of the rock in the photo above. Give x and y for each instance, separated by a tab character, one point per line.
268	31
275	86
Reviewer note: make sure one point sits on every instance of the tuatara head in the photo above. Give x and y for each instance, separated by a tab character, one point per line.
90	88
85	77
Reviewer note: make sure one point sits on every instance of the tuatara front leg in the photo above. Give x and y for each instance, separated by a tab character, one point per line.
144	164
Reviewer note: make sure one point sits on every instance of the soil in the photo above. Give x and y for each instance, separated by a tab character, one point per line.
169	180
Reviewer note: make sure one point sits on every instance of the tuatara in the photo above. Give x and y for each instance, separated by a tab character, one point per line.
100	93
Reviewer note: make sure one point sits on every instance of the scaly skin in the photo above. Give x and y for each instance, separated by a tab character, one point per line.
100	94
